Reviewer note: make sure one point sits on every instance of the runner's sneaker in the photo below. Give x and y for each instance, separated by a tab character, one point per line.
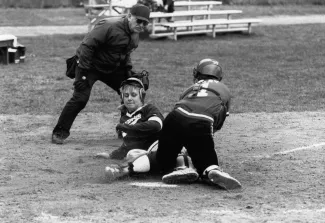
222	179
181	176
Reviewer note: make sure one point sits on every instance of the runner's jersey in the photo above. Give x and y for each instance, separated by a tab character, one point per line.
142	140
204	100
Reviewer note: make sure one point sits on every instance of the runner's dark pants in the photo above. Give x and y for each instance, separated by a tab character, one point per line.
192	133
80	98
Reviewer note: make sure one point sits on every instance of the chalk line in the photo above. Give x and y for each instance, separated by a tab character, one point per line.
314	146
152	184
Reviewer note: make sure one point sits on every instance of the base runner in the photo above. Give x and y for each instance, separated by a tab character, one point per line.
200	112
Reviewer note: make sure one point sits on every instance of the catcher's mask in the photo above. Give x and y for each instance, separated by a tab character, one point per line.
135	82
208	67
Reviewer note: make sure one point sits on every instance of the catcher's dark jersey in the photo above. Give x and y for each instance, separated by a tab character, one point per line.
143	127
207	100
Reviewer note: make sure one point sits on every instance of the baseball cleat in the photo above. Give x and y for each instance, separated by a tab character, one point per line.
114	172
223	180
181	176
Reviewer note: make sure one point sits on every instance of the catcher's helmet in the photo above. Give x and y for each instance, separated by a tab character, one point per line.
132	81
208	67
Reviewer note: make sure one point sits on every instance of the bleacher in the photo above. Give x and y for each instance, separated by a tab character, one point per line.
10	50
189	18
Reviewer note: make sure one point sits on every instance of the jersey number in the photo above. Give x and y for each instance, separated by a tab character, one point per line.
203	92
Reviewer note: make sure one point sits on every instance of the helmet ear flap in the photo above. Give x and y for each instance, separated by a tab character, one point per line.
142	94
121	93
195	72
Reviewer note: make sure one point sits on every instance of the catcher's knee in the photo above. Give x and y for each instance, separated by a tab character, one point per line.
141	161
140	165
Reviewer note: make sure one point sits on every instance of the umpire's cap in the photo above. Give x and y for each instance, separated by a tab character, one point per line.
141	12
208	67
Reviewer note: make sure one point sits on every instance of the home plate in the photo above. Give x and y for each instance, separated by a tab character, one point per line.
152	184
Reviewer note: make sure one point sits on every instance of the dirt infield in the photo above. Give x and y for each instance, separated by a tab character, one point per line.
278	157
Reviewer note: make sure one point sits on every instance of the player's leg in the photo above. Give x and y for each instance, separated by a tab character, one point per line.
174	164
72	108
170	141
137	161
204	157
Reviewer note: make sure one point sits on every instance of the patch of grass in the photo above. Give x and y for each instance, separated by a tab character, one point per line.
76	16
277	2
273	10
44	17
275	69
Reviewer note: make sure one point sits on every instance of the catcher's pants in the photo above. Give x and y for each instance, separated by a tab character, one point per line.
192	133
80	98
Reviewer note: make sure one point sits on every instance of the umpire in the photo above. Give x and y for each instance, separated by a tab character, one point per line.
104	55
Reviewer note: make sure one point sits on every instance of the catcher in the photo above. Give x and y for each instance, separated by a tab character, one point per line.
200	112
140	123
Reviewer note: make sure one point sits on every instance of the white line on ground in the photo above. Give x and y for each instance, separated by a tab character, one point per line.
152	184
314	146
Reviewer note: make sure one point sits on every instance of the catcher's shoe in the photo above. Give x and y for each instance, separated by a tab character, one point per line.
114	172
181	176
222	179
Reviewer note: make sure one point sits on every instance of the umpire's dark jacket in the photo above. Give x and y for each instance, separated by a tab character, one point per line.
107	46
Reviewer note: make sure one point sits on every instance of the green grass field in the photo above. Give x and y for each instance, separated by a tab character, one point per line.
275	69
76	16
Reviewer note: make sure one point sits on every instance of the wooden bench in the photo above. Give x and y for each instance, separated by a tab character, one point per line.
93	17
218	25
106	9
190	4
189	15
5	44
101	7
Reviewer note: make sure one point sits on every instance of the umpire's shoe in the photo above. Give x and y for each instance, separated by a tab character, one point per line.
182	175
215	175
59	137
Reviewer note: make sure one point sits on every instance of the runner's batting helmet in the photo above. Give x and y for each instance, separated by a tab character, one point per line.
208	67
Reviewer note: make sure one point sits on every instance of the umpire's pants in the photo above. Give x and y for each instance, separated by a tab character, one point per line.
80	98
192	133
